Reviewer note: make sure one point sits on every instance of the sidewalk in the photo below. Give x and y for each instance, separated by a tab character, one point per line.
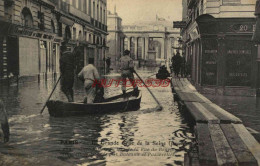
222	137
245	108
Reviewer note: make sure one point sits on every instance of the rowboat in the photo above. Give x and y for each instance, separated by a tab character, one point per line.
119	103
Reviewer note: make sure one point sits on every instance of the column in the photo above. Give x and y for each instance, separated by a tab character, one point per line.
165	47
162	48
146	42
129	43
136	46
143	48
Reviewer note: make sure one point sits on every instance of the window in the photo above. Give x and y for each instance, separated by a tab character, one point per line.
80	5
89	38
27	19
74	33
80	35
101	20
85	36
74	3
52	26
94	10
89	7
97	13
84	6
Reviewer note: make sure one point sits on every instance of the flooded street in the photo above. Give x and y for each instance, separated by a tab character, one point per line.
245	108
143	137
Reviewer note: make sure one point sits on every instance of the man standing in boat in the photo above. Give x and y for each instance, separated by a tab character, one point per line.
127	70
67	66
4	122
89	74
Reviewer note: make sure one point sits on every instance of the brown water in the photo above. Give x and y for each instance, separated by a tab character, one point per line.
143	137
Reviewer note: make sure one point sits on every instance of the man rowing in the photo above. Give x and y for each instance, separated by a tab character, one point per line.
127	70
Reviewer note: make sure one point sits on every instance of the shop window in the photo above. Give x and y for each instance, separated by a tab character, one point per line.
26	17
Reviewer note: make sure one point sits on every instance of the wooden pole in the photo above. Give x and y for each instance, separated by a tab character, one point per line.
159	104
51	94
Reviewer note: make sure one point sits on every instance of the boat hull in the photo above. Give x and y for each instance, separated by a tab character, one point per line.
62	109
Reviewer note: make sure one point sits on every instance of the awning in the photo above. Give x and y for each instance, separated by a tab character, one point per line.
66	21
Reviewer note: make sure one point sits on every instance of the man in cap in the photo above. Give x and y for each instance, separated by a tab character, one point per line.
4	122
127	70
67	66
89	74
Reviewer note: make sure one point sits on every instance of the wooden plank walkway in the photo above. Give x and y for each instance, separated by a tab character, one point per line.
222	138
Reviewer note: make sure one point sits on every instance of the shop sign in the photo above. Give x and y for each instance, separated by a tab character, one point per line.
179	24
209	61
194	34
238	63
242	28
23	31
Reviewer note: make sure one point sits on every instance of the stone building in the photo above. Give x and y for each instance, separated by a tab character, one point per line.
153	41
115	38
31	33
217	43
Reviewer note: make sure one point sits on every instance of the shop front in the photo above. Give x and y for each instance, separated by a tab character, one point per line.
28	52
223	54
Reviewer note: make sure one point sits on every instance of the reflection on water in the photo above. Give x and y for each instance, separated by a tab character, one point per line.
145	136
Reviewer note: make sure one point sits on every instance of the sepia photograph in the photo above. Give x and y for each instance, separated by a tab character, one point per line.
129	82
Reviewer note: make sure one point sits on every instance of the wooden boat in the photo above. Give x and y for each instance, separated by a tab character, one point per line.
119	103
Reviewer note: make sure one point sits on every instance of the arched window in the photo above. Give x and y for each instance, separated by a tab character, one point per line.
26	16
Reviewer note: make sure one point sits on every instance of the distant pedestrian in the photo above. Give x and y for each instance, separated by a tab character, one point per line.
177	62
183	67
67	66
108	62
4	122
172	61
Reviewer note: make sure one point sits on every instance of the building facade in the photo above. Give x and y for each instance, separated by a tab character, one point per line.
115	38
32	31
151	42
217	42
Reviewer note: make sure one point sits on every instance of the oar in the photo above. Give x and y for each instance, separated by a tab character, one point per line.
160	106
152	75
51	94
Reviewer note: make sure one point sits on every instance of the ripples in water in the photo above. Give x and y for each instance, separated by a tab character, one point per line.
143	137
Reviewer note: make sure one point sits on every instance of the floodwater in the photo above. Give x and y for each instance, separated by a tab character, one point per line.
143	137
245	108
